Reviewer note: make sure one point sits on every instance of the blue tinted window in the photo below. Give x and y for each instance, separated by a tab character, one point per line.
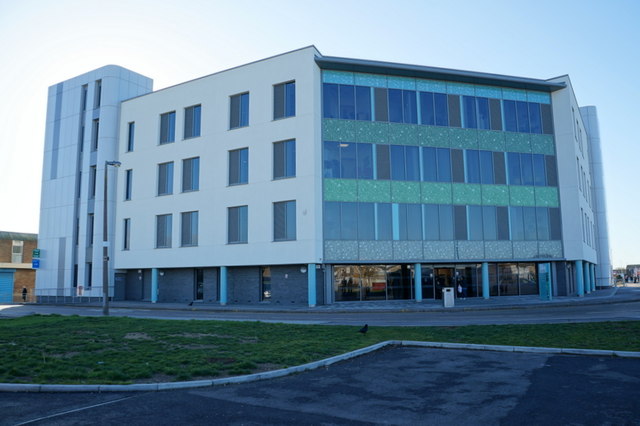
365	161
542	221
526	163
330	100
348	160
290	99
383	225
486	167
383	164
395	105
513	164
441	109
363	103
349	221
410	108
539	172
244	109
510	116
397	162
431	222
475	222
331	160
523	116
517	223
484	121
529	218
402	222
347	102
414	222
331	220
445	218
489	227
429	165
473	166
412	163
535	118
366	222
469	112
427	112
444	165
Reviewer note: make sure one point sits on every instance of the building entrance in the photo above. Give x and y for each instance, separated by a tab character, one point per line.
444	277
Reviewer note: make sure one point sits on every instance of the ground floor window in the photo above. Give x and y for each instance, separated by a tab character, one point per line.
265	284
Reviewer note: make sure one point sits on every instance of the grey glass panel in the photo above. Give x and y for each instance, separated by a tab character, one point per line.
446	222
127	235
165	179
167	127
279	159
402	222
347	102
469	112
348	154
192	122
189	234
510	116
380	102
383	166
128	184
499	173
365	161
454	110
279	221
529	217
486	167
502	214
427	111
409	107
414	222
290	158
349	221
431	222
330	100
244	109
395	105
522	109
539	172
412	163
517	223
547	119
473	166
290	99
384	222
513	161
457	165
542	221
535	119
131	136
291	220
483	113
460	222
555	225
429	165
331	220
331	160
489	223
363	103
526	164
366	221
163	231
397	162
190	174
278	101
496	114
475	223
444	164
234	112
440	102
550	168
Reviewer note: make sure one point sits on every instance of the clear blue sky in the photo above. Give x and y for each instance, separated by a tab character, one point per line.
595	42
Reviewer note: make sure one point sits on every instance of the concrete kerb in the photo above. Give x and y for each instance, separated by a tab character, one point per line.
152	387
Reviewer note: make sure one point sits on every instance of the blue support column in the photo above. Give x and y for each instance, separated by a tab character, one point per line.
587	278
485	280
593	277
417	281
154	285
311	284
223	285
579	278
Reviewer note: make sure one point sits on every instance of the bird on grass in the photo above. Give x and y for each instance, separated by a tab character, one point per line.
364	329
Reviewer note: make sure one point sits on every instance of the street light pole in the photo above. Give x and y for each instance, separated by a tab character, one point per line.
105	243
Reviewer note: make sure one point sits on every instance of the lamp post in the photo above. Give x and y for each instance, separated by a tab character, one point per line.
105	244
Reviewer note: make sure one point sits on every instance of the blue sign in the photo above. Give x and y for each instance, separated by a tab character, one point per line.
35	263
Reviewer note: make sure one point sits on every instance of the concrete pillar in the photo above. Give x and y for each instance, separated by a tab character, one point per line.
485	280
154	285
223	285
587	277
579	278
593	277
311	284
417	281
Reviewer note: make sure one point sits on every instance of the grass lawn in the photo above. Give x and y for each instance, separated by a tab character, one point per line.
86	350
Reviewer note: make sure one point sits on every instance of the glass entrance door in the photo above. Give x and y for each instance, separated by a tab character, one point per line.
443	277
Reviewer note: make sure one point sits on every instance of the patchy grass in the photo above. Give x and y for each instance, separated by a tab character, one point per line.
86	350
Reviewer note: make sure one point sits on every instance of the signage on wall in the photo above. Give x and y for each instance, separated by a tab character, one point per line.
36	253
35	263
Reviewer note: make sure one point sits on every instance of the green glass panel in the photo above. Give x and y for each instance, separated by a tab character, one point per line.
463	138
401	83
431	86
522	196
466	193
489	92
436	193
370	80
372	132
374	191
340	190
338	130
339	77
405	192
461	89
543	144
547	196
491	140
540	97
517	142
495	195
514	94
433	136
403	134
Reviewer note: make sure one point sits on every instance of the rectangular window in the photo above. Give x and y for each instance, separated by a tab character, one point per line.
366	221
499	172
89	274
472	164
444	164
457	165
95	127
495	111
460	222
429	165
522	110
92	181
330	100
542	222
83	97
331	160
284	221
469	112
165	178
265	284
331	220
126	234
445	217
535	118
380	104
441	106
526	165
486	167
384	222
475	224
191	174
489	223
347	102
130	136
427	111
510	116
502	216
365	161
348	221
238	225
128	184
529	218
431	222
539	172
517	223
483	113
454	111
547	119
409	107
239	166
284	159
90	229
397	162
348	154
383	162
17	250
167	127
284	100
513	162
189	234
163	230
363	103
239	111
192	122
97	98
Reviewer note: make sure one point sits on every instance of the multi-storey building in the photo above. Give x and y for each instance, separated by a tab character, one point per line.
310	179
